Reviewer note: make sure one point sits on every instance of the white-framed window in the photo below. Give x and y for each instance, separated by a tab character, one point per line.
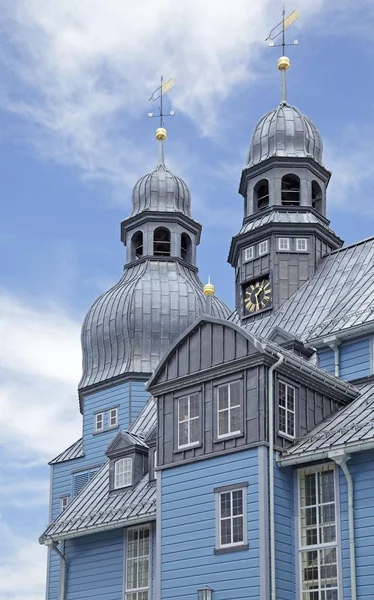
301	244
64	502
318	560
232	517
263	247
99	421
113	417
249	253
286	408
188	420
284	244
122	473
137	563
229	409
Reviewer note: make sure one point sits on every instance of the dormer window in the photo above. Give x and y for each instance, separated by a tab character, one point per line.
122	473
290	191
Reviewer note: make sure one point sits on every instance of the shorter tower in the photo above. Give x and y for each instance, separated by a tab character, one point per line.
285	232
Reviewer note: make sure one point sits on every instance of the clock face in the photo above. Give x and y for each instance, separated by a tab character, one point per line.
257	295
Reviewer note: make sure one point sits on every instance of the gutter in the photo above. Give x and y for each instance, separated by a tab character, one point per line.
341	458
316	455
271	471
52	545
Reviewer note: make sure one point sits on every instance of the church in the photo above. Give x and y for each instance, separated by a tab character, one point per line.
226	455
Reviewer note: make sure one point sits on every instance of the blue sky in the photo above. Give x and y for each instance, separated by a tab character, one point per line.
74	138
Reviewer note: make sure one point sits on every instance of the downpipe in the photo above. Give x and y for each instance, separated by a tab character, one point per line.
271	471
63	571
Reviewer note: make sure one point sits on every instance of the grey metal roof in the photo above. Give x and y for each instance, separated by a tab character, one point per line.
131	326
161	191
352	425
146	420
324	300
74	451
95	509
304	218
285	131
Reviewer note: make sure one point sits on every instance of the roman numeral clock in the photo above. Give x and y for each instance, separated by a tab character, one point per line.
257	295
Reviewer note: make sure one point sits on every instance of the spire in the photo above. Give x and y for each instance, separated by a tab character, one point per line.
161	133
283	61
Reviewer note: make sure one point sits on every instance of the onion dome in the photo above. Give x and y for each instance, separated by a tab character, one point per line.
130	327
161	191
285	131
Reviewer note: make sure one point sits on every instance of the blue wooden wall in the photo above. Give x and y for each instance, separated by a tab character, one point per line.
189	529
326	360
355	359
130	397
362	470
284	533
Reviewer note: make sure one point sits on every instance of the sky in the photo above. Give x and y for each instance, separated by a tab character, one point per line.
75	78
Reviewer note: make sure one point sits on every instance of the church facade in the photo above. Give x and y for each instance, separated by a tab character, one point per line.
226	455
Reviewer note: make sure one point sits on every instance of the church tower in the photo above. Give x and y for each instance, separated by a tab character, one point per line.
285	232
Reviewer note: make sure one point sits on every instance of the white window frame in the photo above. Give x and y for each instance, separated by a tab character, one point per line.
249	253
319	546
229	408
125	473
113	412
298	243
189	444
134	593
231	490
64	501
263	247
287	411
100	416
284	244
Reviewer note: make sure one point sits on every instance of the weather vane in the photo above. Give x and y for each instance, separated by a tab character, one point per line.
283	61
158	94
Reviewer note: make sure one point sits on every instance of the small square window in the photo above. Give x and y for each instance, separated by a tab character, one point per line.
64	502
122	473
113	417
286	407
284	244
229	412
249	253
99	421
301	244
232	518
263	248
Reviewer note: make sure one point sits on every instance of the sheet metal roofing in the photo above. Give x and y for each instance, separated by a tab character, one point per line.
352	425
161	191
95	508
285	131
74	451
130	327
324	301
304	218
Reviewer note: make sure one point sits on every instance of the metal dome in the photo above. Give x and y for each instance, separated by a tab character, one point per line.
285	131
161	191
130	327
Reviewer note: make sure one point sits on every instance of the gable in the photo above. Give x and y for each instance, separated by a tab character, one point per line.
208	343
121	442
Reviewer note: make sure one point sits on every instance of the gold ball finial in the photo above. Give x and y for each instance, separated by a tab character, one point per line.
161	134
209	289
284	63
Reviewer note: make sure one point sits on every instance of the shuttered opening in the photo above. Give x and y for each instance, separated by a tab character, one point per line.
80	480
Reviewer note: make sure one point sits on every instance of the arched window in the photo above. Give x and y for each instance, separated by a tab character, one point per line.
186	247
290	192
137	245
161	242
316	196
261	194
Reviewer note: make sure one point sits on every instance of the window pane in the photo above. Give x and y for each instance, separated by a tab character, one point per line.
237	531
195	430
194	406
183	433
143	572
290	424
223	397
290	398
282	420
183	409
237	502
235	419
144	542
310	569
225	505
235	393
132	574
326	485
282	394
225	532
223	422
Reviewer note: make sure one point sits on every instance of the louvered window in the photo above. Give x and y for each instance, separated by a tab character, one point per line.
81	479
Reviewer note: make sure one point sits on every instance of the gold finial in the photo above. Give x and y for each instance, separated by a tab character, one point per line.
284	63
209	289
161	134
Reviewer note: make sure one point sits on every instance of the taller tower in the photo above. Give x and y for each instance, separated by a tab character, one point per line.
285	232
